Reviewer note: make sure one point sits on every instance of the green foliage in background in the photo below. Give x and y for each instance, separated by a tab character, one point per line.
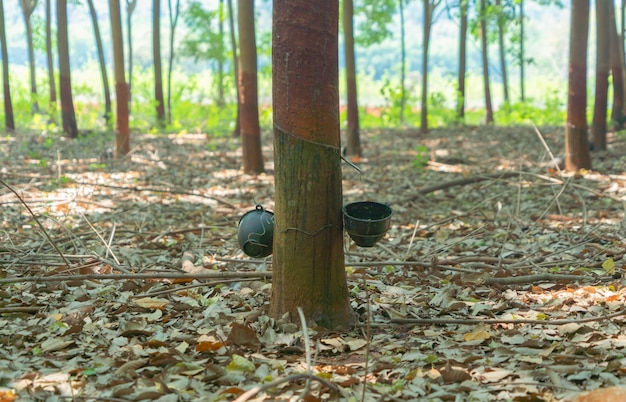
194	108
372	20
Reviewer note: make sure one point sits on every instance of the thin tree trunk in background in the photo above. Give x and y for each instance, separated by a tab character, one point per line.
598	124
122	131
250	129
402	62
28	6
9	122
130	7
308	263
460	108
52	107
103	71
156	56
221	102
484	51
576	139
233	44
173	16
616	61
68	115
622	61
521	50
505	81
428	19
622	19
353	136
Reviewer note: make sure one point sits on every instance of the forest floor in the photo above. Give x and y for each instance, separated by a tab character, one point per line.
501	278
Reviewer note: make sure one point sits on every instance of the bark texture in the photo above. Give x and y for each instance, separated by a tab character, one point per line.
28	6
122	131
52	92
484	51
521	51
462	60
502	51
9	122
68	114
598	125
233	45
101	62
130	7
308	262
428	18
616	62
576	140
353	135
156	56
249	104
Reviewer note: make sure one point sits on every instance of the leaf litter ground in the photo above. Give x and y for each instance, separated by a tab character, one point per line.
500	278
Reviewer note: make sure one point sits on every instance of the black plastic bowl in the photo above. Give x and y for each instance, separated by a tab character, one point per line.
366	222
255	232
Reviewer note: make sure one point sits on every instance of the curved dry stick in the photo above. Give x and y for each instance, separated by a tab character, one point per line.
155	275
515	280
260	388
45	232
478	321
536	278
502	175
160	190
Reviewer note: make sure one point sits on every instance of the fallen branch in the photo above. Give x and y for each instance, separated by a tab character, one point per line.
478	321
261	388
514	280
45	232
537	278
160	190
156	275
459	182
498	176
20	309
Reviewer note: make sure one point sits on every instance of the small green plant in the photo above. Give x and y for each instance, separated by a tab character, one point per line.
439	114
97	166
48	142
392	93
421	158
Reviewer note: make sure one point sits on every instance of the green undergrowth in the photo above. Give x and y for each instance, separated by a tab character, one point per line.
194	109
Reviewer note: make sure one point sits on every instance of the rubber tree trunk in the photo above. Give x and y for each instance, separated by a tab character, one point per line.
598	125
221	101
308	264
428	18
353	136
103	71
28	6
484	51
122	131
156	56
233	45
68	114
576	140
130	7
460	108
521	51
402	62
52	91
9	122
173	18
616	61
502	51
249	105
